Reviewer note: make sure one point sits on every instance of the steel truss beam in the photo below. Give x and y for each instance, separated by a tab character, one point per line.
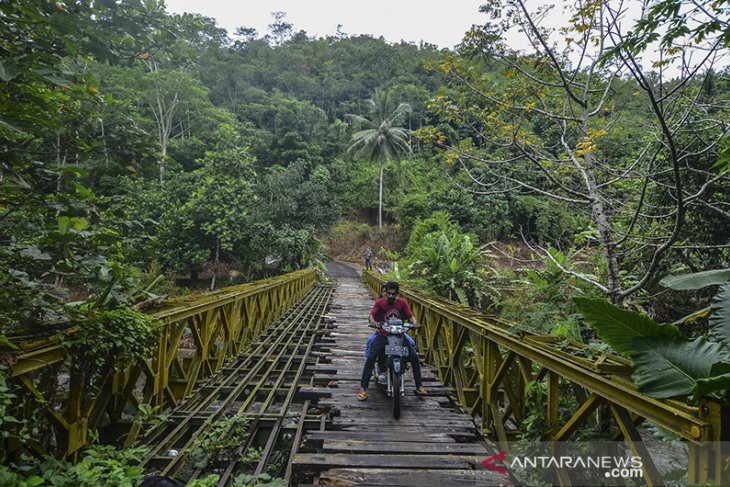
201	332
488	367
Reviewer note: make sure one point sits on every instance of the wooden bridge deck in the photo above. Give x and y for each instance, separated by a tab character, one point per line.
360	443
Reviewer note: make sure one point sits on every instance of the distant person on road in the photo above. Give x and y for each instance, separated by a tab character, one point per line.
385	308
368	259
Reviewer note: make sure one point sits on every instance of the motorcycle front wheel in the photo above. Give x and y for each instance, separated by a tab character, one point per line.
396	395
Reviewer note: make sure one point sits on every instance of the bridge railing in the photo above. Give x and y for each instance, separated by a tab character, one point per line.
491	370
200	333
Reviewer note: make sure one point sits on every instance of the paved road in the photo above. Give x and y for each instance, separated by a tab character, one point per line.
340	269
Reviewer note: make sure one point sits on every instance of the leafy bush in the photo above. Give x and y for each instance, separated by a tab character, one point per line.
448	263
111	338
486	216
541	299
545	220
101	466
224	441
440	221
261	480
45	256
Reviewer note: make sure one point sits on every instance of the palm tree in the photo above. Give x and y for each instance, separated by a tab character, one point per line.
380	139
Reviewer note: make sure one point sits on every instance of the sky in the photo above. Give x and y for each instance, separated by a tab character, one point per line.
440	23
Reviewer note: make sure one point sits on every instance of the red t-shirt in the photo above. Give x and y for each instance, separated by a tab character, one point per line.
383	311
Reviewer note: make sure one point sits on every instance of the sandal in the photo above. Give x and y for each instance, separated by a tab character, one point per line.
362	395
420	391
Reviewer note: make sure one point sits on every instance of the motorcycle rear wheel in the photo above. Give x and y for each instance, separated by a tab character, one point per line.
396	395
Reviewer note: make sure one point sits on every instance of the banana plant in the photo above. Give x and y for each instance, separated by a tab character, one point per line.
666	363
453	267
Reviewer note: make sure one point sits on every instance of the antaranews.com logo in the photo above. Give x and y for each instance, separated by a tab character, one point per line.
584	463
613	467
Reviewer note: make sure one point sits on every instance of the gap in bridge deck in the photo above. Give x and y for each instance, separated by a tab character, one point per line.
261	383
432	443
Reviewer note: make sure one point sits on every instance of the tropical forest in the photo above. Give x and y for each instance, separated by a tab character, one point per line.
576	188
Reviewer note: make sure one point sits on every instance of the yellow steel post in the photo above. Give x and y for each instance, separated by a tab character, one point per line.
710	461
553	391
76	423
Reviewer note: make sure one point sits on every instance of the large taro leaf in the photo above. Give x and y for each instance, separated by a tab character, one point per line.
705	387
719	381
697	280
670	367
720	316
619	328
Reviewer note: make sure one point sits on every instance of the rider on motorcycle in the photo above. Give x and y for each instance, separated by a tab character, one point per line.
371	339
391	306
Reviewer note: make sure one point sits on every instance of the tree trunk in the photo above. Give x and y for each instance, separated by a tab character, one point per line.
161	163
605	235
103	143
215	263
59	162
380	197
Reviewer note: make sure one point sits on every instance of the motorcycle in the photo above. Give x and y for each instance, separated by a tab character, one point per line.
396	354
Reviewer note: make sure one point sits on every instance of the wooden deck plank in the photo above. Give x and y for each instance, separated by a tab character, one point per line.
423	448
411	478
325	461
403	435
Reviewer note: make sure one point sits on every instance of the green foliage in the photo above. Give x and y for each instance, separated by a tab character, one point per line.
564	159
149	416
696	280
358	231
254	156
260	480
540	299
111	339
8	422
720	315
38	37
535	426
669	22
299	195
488	216
448	263
666	364
251	456
223	441
544	220
195	214
670	367
282	249
438	222
47	253
101	466
620	328
210	480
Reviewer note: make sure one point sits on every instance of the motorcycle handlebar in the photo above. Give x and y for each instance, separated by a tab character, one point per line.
380	324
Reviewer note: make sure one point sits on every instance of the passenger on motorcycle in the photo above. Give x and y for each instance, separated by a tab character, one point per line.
391	306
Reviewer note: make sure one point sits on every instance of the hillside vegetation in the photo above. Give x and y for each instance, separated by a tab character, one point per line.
140	147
